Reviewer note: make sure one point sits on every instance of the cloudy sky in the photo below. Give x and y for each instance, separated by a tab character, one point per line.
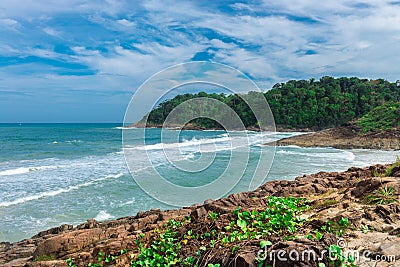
82	60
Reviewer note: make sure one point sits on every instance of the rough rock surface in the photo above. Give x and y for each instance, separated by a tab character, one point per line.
345	137
334	195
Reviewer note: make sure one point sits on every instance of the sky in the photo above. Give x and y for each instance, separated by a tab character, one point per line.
82	60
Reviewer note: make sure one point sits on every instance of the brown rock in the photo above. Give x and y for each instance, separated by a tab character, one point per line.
346	137
54	231
67	243
57	263
89	224
390	249
246	259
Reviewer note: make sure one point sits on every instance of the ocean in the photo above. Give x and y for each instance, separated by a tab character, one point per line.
52	174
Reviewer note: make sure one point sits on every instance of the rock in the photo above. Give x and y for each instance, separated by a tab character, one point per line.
54	231
301	253
346	137
208	201
68	243
395	232
245	259
57	263
17	262
384	213
395	172
199	213
390	249
89	224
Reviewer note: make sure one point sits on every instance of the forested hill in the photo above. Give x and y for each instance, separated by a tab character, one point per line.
317	104
328	102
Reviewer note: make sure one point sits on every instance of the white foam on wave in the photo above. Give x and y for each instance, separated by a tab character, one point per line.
286	152
349	155
346	155
23	170
127	203
73	141
68	142
38	196
57	192
103	215
124	128
189	156
293	146
262	138
224	142
185	143
119	175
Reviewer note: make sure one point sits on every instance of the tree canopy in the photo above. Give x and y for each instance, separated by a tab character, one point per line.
325	103
384	117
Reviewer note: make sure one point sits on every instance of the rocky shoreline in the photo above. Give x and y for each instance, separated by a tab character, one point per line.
373	227
347	137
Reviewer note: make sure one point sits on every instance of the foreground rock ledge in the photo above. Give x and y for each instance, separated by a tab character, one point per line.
334	195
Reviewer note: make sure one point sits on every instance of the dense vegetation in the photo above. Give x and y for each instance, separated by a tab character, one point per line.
328	102
159	114
301	104
383	117
186	243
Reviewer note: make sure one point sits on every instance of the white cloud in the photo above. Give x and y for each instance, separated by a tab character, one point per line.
339	40
9	22
52	32
82	51
126	22
7	50
30	9
46	53
122	43
138	65
242	6
300	40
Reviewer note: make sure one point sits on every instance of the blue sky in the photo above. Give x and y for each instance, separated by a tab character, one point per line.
81	61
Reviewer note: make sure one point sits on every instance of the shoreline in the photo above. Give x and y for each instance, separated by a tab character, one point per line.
347	136
189	127
332	195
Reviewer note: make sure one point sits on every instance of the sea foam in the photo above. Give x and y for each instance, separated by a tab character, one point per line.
57	192
23	170
103	216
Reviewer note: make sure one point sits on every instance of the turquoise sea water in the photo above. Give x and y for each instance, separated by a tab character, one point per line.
52	174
